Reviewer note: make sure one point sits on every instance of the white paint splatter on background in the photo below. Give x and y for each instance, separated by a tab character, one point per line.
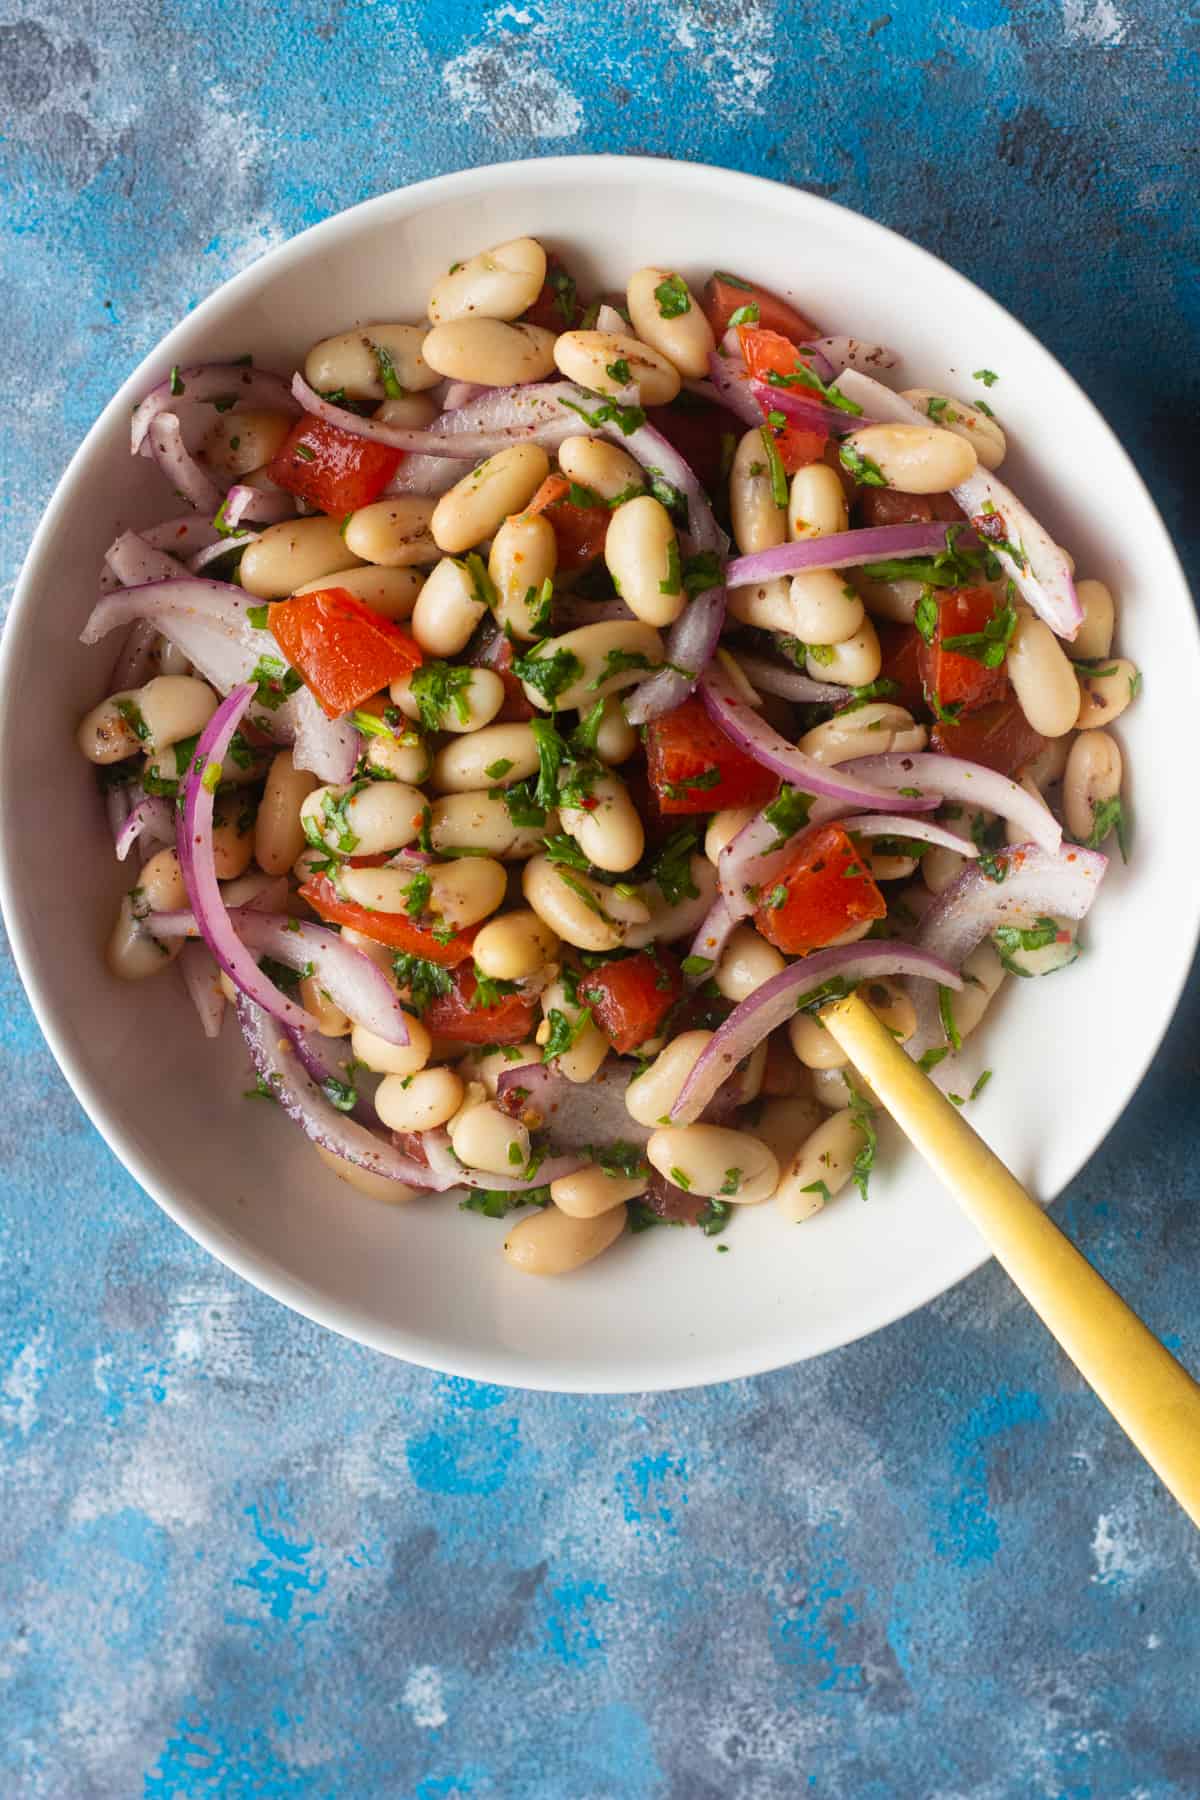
148	1476
22	1385
733	46
424	1700
1097	24
208	1333
505	84
1118	1550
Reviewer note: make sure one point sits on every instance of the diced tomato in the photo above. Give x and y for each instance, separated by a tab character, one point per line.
901	646
699	432
497	653
457	1016
950	677
695	769
884	506
344	651
332	468
724	294
394	929
999	736
632	996
766	354
825	890
558	306
579	531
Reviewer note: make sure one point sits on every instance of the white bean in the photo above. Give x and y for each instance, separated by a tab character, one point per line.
768	605
978	428
784	1124
913	459
592	1191
352	362
867	730
419	1102
393	533
609	830
820	1168
896	600
486	1138
817	503
411	412
521	563
481	821
651	1095
447	610
477	761
162	884
294	554
553	1243
941	868
1095	635
332	1021
616	738
367	818
723	827
491	1064
746	962
404	758
514	946
578	909
982	973
825	608
500	283
236	443
470	703
665	315
383	1058
476	506
391	592
1092	780
714	1161
855	662
592	647
378	1187
604	468
278	827
590	1046
1104	693
460	893
132	952
641	552
759	522
609	362
232	837
1043	678
490	351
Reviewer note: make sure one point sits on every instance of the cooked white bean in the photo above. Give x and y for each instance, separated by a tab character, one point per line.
378	1187
292	555
609	362
813	1045
108	733
855	662
479	820
886	865
816	1047
477	761
391	592
604	468
351	360
447	610
243	764
982	973
383	1058
609	831
978	428
714	1161
161	882
837	1089
651	1095
675	919
366	818
665	315
723	827
577	909
459	894
1092	780
551	1242
476	506
500	283
896	600
817	503
913	459
419	1102
616	738
236	443
521	563
759	522
404	758
232	837
490	351
394	533
132	952
515	945
641	552
1050	763
411	412
768	605
331	1020
590	1047
486	1138
825	608
592	646
1043	678
865	731
1094	637
940	868
1104	693
820	1168
469	704
491	1064
783	1125
590	1192
746	962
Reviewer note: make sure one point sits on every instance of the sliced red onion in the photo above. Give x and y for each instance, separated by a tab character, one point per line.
851	353
329	747
691	644
135	664
804	407
430	475
609	319
152	818
328	1060
180	467
200	973
658	457
214	552
449	1172
293	1087
841	550
789	684
1035	562
119	802
451	435
211	382
751	733
775	1002
969	782
902	825
576	1115
246	505
570	611
461	393
134	560
729	380
705	390
1035	882
718	926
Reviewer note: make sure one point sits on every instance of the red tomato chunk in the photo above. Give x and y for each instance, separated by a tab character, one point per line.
460	1016
725	294
632	996
825	891
950	677
332	468
767	353
999	736
579	531
695	769
344	651
396	930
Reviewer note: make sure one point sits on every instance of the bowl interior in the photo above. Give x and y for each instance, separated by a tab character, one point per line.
426	1282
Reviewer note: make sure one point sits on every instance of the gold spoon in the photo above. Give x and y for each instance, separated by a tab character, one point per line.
1151	1396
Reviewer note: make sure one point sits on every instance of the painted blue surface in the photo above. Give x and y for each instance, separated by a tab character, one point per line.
241	1557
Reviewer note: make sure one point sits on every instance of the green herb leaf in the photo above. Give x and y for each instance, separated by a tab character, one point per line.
745	315
437	687
715	1215
946	1014
627	419
424	980
387	372
863	468
549	675
564	1035
788	813
988	377
274	682
775	468
258	616
672	297
672	868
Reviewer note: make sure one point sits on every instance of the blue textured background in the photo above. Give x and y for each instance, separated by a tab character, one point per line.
241	1557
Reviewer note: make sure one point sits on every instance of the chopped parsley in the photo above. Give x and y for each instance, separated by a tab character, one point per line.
803	376
732	1182
258	616
989	646
304	453
788	813
925	618
932	1058
437	687
863	468
697	965
988	377
274	682
474	567
864	1162
563	287
387	372
775	468
177	384
549	675
674	580
210	781
342	1094
417	895
776	898
564	1035
672	870
1108	815
953	566
980	1085
745	315
495	1203
714	1215
424	980
988	838
672	297
490	990
946	1014
522	808
131	713
616	662
678	790
627	419
680	1179
496	771
584	497
701	572
619	372
563	849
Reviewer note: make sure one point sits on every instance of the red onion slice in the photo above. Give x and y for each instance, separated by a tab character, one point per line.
841	550
718	926
429	475
180	467
789	684
214	552
691	645
1038	567
461	393
803	407
852	353
455	439
199	973
657	456
969	782
449	1172
730	380
300	1097
245	505
776	1001
211	382
901	825
570	611
751	733
135	664
576	1115
152	818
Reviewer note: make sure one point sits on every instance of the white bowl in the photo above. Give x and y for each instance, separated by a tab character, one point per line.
428	1283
